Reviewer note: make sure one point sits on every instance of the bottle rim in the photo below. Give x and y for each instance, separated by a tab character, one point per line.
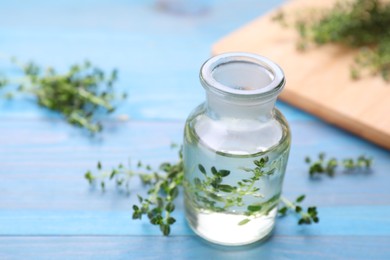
272	88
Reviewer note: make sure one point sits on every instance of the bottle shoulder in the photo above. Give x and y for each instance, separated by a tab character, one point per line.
237	135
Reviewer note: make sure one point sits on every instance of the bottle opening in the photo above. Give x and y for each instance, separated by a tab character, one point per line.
242	74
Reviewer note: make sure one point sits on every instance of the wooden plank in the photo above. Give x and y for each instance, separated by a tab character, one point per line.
190	247
47	162
337	220
318	79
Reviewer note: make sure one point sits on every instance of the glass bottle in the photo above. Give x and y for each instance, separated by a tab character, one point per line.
235	150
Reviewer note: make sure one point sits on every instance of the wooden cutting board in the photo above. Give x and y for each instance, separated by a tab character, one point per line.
318	80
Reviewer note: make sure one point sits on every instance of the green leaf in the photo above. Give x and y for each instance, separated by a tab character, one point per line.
258	163
304	220
89	176
214	196
226	188
214	171
224	173
254	208
174	192
154	212
283	211
300	198
244	221
171	220
202	169
137	215
113	173
311	210
216	181
99	165
165	229
157	220
271	172
170	207
164	167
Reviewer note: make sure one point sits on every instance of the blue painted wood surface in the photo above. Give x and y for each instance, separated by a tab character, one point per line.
47	209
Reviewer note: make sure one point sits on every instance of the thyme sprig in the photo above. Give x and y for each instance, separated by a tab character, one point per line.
329	166
212	193
362	24
163	188
212	190
306	217
81	94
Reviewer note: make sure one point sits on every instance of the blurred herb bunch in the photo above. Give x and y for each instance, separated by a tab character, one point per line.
81	95
362	24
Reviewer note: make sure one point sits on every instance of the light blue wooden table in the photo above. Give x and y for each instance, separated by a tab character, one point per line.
47	209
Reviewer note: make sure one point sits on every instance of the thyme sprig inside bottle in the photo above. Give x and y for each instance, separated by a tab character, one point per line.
235	150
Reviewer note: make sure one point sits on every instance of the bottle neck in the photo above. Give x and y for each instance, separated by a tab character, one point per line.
222	107
241	86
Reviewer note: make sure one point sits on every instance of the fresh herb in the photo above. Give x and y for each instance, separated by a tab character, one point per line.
212	193
328	166
208	189
362	24
164	183
80	95
306	217
163	188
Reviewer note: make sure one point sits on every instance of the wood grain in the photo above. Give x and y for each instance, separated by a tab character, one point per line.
318	80
335	220
189	247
